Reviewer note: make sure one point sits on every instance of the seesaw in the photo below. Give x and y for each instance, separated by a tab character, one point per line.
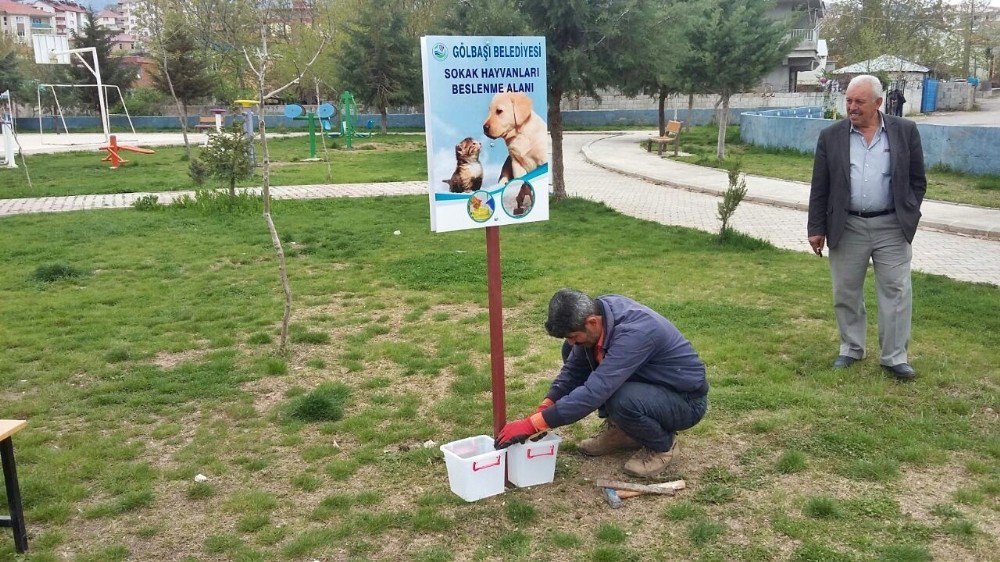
113	149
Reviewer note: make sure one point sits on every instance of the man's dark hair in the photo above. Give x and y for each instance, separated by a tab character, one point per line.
568	312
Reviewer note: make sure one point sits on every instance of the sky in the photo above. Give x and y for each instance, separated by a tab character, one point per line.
97	5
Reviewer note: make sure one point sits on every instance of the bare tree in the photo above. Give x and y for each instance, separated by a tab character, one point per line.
182	71
259	65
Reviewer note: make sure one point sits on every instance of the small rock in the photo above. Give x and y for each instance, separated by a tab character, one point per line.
201	478
429	444
396	232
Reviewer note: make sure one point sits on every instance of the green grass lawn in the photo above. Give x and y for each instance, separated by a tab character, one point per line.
787	164
141	347
395	157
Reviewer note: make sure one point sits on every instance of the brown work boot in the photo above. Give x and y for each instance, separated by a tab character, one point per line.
647	463
609	439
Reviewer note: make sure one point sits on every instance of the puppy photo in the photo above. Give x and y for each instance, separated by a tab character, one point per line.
468	174
512	118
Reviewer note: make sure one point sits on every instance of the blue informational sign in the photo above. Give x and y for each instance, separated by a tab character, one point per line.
487	139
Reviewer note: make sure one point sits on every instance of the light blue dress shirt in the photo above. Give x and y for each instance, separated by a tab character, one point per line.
871	173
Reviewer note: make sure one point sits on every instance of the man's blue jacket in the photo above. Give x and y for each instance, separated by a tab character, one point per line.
639	346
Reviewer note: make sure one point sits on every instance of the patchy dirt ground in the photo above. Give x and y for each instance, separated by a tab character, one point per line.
757	520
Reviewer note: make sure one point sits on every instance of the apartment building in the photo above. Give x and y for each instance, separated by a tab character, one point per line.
21	20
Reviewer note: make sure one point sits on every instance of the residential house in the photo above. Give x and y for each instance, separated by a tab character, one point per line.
110	19
145	69
22	21
123	43
68	17
805	55
895	69
129	10
809	80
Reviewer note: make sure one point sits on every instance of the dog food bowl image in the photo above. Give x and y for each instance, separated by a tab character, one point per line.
475	469
533	462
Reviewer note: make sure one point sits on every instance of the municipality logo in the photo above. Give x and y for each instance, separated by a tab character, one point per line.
440	52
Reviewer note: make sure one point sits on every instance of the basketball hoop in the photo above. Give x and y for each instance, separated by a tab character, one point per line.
50	49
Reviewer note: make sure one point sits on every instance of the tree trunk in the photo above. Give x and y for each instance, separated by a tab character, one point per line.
723	119
385	119
556	132
275	239
182	106
687	122
322	138
184	128
661	117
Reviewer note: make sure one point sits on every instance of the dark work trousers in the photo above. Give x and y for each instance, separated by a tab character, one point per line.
649	413
653	414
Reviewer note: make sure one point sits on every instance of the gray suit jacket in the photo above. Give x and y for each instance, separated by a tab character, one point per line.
830	195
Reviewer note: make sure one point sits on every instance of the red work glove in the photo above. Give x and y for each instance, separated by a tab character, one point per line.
545	404
519	431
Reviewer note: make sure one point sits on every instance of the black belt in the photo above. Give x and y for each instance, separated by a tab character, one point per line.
870	214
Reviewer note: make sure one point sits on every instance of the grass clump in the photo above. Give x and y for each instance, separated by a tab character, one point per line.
880	470
200	491
324	403
609	533
52	272
821	507
302	335
520	512
683	510
703	531
148	203
791	462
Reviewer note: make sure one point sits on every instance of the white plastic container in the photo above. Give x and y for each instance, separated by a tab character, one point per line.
475	469
533	463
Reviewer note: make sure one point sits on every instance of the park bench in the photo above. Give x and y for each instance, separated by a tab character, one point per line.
205	122
16	518
673	136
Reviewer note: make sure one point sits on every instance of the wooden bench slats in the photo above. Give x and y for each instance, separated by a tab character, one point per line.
205	122
673	135
10	427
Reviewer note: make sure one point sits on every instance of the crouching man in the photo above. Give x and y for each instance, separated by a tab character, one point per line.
631	365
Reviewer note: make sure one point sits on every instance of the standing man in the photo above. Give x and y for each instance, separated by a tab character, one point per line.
632	366
896	100
867	185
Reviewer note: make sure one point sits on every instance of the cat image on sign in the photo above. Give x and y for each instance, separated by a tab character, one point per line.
468	176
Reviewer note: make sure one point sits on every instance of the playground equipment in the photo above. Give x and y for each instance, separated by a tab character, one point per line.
52	49
113	147
322	114
369	129
7	124
248	126
59	118
348	113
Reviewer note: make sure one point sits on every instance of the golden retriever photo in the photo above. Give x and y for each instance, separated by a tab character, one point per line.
468	174
512	118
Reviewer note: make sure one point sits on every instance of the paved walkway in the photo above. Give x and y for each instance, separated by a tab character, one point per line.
988	114
613	169
622	154
775	210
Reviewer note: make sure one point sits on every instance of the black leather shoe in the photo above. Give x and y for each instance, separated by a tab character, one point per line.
844	361
902	372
